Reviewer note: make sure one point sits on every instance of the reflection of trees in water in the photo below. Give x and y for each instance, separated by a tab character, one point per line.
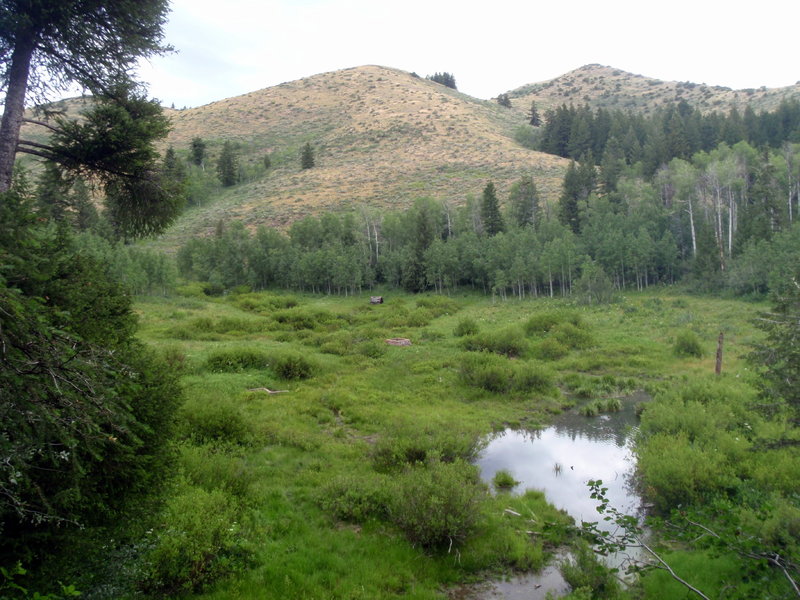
616	427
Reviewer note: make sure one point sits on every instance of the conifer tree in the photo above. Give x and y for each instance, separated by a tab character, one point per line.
533	116
307	157
490	211
524	202
198	151
228	165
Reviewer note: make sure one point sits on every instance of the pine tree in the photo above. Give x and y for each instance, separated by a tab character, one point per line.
490	211
504	100
524	202
198	151
533	116
307	157
228	165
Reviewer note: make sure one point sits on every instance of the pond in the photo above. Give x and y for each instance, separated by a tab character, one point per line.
560	460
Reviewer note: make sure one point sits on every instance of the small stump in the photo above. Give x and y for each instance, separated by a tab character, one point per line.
376	299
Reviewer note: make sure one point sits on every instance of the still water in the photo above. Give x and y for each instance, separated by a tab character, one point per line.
560	460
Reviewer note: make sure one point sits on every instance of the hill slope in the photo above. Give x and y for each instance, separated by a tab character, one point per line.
382	138
606	87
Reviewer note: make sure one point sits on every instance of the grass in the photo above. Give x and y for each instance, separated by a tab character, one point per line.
310	477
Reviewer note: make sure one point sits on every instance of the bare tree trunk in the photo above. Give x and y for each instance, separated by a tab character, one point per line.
14	107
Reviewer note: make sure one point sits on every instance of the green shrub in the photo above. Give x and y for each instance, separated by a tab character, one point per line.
292	365
175	358
487	371
583	570
542	323
233	360
687	344
198	543
418	445
211	468
213	422
550	349
371	349
355	499
532	377
437	505
508	342
504	480
571	336
466	326
438	305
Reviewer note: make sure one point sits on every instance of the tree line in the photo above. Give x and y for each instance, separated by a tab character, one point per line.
608	138
709	221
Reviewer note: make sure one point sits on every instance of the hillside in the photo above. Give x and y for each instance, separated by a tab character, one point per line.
606	87
382	138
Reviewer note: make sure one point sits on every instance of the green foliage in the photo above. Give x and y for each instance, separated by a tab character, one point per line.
437	505
237	359
9	588
198	151
508	342
445	78
414	445
292	365
228	165
87	409
220	422
491	218
307	160
687	344
355	499
583	571
496	374
200	542
466	326
504	480
550	349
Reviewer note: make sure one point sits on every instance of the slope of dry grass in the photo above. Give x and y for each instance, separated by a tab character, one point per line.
382	137
607	87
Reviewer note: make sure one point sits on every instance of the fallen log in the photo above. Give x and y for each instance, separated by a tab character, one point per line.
269	391
398	342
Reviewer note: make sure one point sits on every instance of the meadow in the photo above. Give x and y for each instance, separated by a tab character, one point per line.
318	461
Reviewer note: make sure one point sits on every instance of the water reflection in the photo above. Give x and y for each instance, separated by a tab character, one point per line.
561	459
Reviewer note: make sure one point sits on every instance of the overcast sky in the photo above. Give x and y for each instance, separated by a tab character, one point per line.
229	48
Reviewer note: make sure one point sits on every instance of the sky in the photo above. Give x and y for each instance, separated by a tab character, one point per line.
225	49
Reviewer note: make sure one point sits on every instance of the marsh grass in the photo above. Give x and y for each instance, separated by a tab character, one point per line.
312	476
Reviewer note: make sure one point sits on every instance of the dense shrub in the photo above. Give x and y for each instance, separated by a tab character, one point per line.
419	445
687	344
213	422
292	365
550	349
355	499
532	377
584	571
508	342
496	374
212	468
466	326
438	305
237	359
542	323
572	336
487	371
438	504
504	480
198	543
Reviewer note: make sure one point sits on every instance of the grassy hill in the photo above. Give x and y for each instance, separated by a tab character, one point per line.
606	87
382	138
